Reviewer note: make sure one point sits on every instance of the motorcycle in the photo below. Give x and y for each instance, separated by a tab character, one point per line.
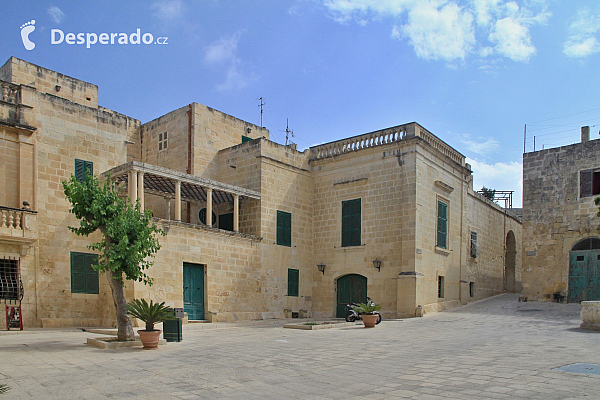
353	315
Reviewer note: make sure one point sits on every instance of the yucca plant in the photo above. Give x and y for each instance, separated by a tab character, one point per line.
366	308
4	388
150	313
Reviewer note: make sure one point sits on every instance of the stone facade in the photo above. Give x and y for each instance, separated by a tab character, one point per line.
556	216
398	175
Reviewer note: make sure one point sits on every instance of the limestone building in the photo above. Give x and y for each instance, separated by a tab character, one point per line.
561	231
255	229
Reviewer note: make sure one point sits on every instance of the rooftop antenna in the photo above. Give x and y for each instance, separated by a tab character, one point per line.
262	103
288	131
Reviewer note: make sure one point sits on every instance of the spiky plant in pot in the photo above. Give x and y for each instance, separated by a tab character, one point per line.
150	313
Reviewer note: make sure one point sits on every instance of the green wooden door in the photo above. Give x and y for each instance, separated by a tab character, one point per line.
350	289
193	291
584	276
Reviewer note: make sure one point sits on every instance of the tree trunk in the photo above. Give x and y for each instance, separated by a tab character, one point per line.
125	330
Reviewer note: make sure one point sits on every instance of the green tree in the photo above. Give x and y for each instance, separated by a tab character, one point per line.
489	193
128	238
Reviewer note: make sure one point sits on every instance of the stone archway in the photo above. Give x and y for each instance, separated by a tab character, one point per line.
351	288
510	261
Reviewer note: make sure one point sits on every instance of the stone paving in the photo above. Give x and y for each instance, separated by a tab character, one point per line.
493	349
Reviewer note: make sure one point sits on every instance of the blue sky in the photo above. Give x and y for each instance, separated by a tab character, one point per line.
473	72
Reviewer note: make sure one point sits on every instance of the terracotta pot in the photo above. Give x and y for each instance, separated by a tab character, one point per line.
149	338
369	320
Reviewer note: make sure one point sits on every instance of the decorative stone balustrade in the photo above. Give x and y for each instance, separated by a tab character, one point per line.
18	226
384	137
9	92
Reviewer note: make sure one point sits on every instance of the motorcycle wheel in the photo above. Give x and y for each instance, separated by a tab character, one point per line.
350	317
378	319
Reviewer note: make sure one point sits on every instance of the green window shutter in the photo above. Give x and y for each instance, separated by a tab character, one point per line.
442	225
81	167
293	282
351	223
77	273
284	228
586	183
91	276
246	139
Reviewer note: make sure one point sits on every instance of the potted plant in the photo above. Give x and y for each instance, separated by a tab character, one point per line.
368	313
151	314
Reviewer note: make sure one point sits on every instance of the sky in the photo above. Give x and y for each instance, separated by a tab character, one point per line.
472	72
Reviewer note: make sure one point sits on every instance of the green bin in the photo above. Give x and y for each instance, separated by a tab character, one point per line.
172	329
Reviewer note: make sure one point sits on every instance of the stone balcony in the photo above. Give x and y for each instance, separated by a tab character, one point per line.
18	226
14	111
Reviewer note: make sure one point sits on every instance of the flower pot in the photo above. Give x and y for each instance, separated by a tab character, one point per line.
149	338
369	320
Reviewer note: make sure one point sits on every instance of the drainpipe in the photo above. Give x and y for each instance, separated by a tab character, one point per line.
189	165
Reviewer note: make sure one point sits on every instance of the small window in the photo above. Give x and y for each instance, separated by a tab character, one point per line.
84	279
351	223
293	282
284	228
589	182
226	222
442	225
163	141
440	287
580	258
474	244
82	168
11	287
471	289
246	139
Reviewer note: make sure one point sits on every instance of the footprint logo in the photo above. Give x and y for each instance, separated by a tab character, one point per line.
26	29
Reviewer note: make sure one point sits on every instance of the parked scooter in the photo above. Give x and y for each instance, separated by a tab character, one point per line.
352	315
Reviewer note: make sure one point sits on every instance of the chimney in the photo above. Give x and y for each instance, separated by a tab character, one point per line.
585	134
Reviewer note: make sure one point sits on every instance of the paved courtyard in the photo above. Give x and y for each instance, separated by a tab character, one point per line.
493	349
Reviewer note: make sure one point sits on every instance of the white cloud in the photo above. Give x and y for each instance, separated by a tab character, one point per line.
499	176
436	33
512	39
448	29
481	148
223	52
582	41
168	10
57	15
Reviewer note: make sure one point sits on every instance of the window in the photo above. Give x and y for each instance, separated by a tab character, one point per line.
226	222
589	182
246	139
471	289
284	228
82	167
202	217
440	287
293	282
442	225
11	287
474	244
351	223
84	279
162	141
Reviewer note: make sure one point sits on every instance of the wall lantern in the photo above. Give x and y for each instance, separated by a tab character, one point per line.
57	87
377	264
321	268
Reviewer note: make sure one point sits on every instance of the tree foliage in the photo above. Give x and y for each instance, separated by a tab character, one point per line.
489	193
128	235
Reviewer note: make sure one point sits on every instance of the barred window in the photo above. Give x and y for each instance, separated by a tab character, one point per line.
11	287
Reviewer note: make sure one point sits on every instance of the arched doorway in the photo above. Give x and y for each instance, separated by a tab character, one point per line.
584	271
351	288
510	259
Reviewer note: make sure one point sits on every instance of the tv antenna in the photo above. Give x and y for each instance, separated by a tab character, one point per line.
288	131
262	103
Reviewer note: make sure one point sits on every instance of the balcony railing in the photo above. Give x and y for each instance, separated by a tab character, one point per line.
9	92
384	137
18	226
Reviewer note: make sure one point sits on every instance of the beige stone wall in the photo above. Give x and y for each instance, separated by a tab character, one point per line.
383	178
488	270
46	81
554	216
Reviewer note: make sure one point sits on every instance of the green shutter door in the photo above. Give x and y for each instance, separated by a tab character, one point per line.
350	289
351	223
584	276
442	225
77	273
193	291
293	282
91	276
